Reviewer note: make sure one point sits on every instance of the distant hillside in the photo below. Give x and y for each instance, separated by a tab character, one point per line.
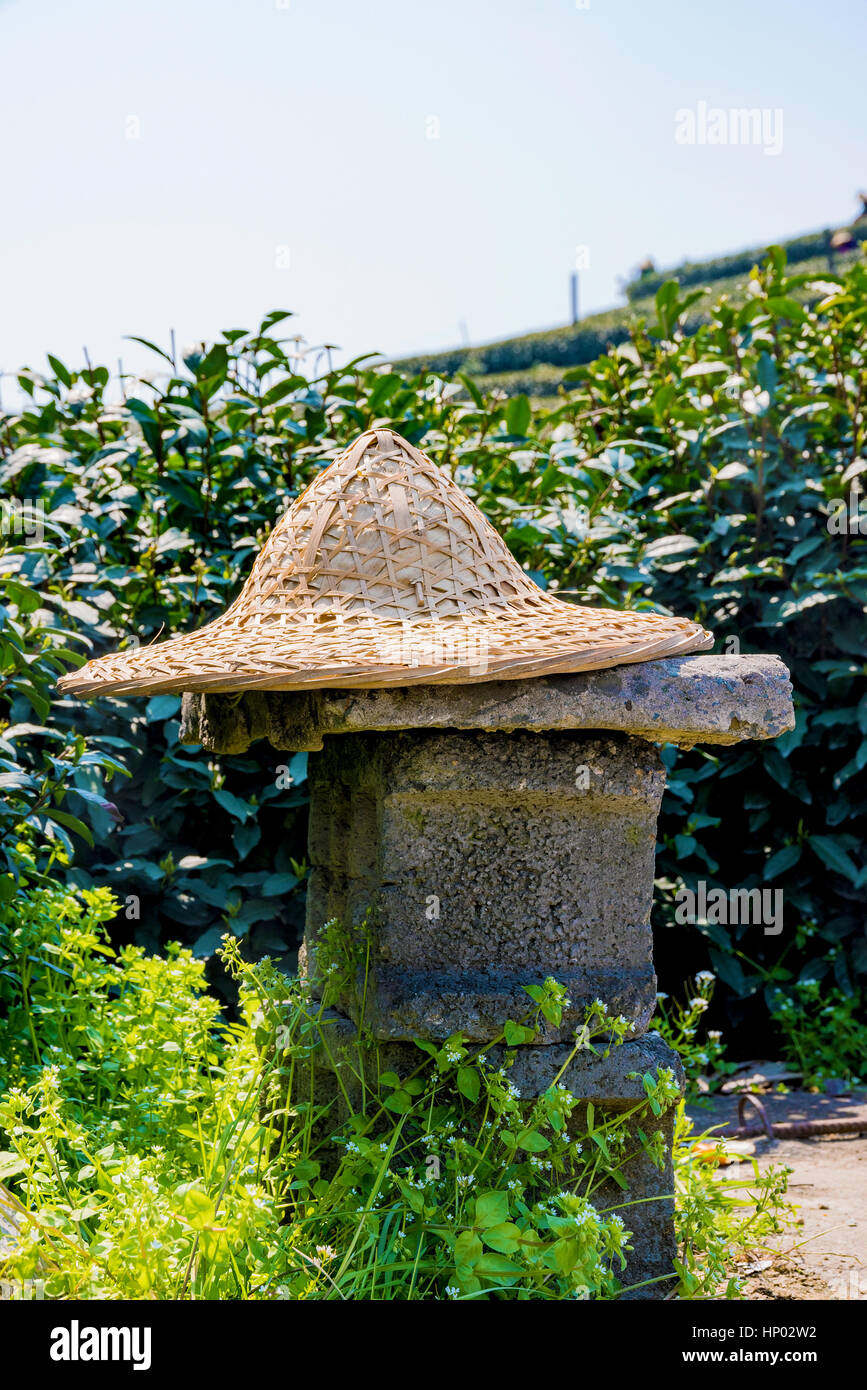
535	362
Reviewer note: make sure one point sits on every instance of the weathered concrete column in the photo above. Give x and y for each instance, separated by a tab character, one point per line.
487	836
487	861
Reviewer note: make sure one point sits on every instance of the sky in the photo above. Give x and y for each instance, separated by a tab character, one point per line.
401	174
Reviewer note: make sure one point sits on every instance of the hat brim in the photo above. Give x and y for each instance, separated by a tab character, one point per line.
365	651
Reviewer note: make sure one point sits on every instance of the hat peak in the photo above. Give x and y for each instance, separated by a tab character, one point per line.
386	532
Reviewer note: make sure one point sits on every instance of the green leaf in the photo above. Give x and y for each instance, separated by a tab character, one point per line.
472	389
497	1267
792	607
730	971
805	547
517	1033
492	1209
18	781
834	856
533	1142
565	1254
162	707
94	799
245	838
469	1083
670	545
784	859
73	823
305	1170
198	1208
778	767
276	885
602	1143
283	388
708	368
518	415
10	1164
145	342
613	1173
506	1237
240	810
468	1250
784	307
206	944
61	372
399	1102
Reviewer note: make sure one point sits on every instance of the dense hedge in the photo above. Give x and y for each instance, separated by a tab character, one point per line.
564	347
693	473
803	248
581	343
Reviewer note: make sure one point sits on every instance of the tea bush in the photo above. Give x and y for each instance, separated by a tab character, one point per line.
702	474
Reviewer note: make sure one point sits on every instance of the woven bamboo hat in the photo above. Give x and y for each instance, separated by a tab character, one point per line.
384	573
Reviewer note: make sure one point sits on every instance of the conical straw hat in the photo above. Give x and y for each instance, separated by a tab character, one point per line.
384	573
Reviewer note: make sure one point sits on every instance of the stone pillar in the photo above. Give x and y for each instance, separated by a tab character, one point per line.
486	862
483	837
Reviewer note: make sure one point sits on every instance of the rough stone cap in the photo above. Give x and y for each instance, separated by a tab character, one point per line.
683	700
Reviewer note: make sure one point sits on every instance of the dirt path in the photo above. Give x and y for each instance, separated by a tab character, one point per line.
828	1183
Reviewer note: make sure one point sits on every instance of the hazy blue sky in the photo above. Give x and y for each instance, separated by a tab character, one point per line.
163	160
